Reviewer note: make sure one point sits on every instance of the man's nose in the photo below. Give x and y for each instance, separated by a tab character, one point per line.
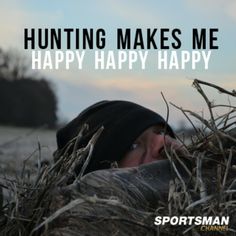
156	144
158	141
154	147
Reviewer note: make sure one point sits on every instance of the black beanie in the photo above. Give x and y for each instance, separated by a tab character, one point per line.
123	122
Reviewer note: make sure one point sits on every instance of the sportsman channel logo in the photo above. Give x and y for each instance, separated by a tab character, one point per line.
205	223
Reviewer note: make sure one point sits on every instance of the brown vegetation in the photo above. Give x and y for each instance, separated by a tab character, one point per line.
126	201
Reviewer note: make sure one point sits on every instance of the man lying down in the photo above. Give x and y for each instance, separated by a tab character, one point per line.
129	176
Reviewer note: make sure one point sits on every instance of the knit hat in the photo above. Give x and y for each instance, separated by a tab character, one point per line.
123	122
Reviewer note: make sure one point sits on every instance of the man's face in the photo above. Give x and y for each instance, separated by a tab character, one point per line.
148	147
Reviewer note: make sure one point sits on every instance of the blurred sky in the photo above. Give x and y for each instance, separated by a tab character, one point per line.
79	89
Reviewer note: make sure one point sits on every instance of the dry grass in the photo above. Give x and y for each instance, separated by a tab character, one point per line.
202	183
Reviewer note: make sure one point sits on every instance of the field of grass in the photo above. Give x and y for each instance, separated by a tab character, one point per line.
51	200
19	144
